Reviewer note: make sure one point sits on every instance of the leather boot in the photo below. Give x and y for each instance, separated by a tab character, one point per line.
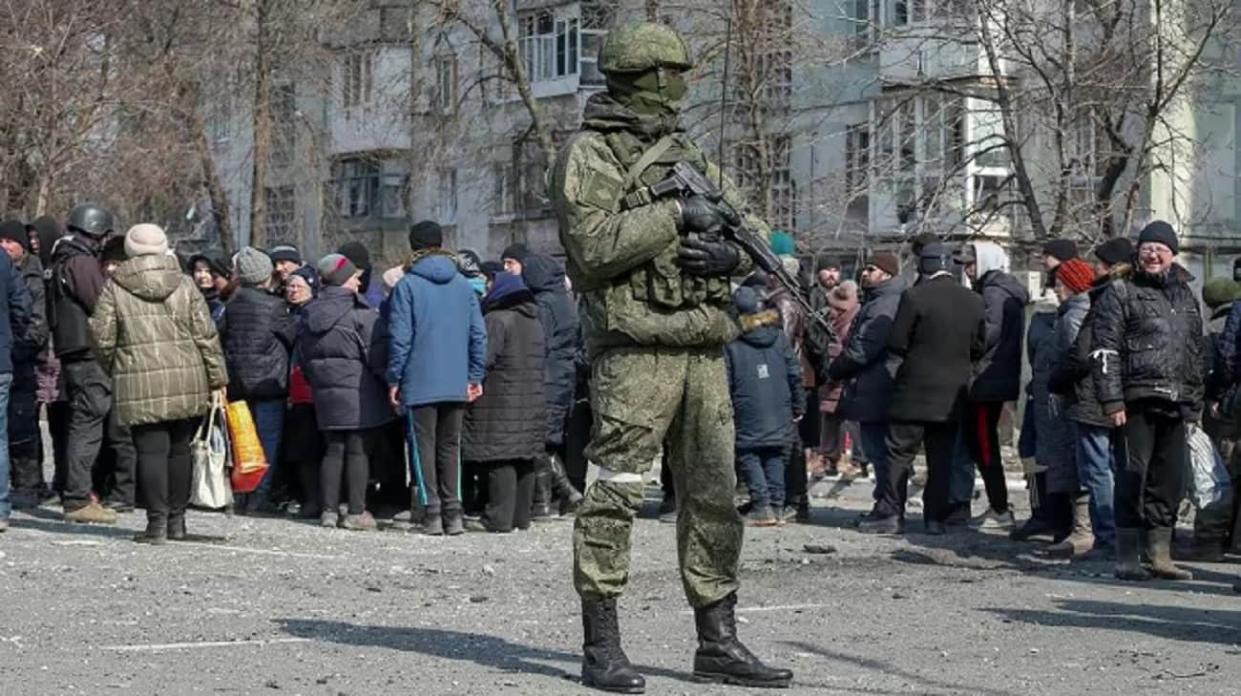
604	664
156	532
1159	549
568	496
176	526
1081	539
1129	555
721	658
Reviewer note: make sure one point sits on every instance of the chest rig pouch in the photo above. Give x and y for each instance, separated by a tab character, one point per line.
660	282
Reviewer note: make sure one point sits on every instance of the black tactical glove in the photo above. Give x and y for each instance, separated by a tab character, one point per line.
699	214
702	258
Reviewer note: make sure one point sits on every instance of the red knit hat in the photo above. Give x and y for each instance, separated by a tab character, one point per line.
1077	275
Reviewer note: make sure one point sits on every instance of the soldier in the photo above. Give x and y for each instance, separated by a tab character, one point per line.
655	316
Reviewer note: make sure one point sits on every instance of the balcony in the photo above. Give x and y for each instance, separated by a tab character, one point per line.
920	54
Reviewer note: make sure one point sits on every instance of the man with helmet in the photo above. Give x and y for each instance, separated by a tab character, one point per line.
654	279
76	282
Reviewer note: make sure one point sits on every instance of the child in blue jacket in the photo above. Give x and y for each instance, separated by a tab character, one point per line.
764	374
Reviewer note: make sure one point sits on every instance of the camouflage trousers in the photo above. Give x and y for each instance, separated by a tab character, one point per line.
640	397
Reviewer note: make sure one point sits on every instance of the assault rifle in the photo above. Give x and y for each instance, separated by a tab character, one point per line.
685	181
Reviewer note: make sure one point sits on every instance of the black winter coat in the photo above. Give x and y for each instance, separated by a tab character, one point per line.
508	421
998	374
1148	342
257	334
558	315
764	379
75	283
939	332
1073	377
865	364
343	347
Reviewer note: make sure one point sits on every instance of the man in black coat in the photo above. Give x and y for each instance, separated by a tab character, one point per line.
1147	353
544	276
997	378
865	365
14	323
939	331
25	445
76	280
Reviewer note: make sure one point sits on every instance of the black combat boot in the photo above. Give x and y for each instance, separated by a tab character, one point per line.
721	658
604	664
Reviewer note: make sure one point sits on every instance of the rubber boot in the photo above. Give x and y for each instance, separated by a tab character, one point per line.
1081	539
604	664
541	508
722	659
568	496
1159	549
1129	555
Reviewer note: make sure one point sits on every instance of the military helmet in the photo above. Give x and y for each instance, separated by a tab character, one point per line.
90	219
642	47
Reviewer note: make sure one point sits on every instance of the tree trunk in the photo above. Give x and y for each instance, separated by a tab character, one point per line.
262	125
518	71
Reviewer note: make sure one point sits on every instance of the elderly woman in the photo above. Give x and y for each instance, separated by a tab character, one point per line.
154	335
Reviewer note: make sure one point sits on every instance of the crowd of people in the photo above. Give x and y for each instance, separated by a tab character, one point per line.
453	392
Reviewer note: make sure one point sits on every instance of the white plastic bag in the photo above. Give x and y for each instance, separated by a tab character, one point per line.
210	486
1209	482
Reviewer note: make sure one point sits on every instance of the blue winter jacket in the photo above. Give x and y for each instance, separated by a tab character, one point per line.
763	375
439	341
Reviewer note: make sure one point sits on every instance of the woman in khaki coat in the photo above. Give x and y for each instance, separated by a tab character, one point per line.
154	335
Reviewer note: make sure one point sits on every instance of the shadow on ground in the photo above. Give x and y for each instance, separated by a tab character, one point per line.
924	684
483	650
1160	621
44	520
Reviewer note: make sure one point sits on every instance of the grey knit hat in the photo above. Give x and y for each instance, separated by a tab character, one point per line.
253	266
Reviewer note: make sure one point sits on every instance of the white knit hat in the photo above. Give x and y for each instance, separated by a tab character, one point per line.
145	239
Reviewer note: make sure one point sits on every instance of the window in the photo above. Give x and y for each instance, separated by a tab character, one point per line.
900	13
356	187
1085	150
284	124
597	18
278	221
358	79
504	193
448	196
549	47
368	188
861	20
446	83
857	158
783	187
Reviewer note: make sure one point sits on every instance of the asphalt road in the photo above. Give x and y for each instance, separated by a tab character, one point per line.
287	608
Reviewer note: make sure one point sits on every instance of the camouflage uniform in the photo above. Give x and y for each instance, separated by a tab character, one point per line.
655	338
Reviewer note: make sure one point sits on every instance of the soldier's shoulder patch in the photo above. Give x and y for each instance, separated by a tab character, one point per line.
601	189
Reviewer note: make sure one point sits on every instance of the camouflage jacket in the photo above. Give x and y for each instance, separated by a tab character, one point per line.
622	256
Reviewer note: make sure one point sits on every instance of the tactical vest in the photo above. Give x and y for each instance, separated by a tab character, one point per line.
660	282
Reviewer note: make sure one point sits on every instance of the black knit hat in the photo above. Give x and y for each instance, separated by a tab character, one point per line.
1062	249
1114	251
426	235
285	252
356	252
518	252
1161	232
921	240
15	231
